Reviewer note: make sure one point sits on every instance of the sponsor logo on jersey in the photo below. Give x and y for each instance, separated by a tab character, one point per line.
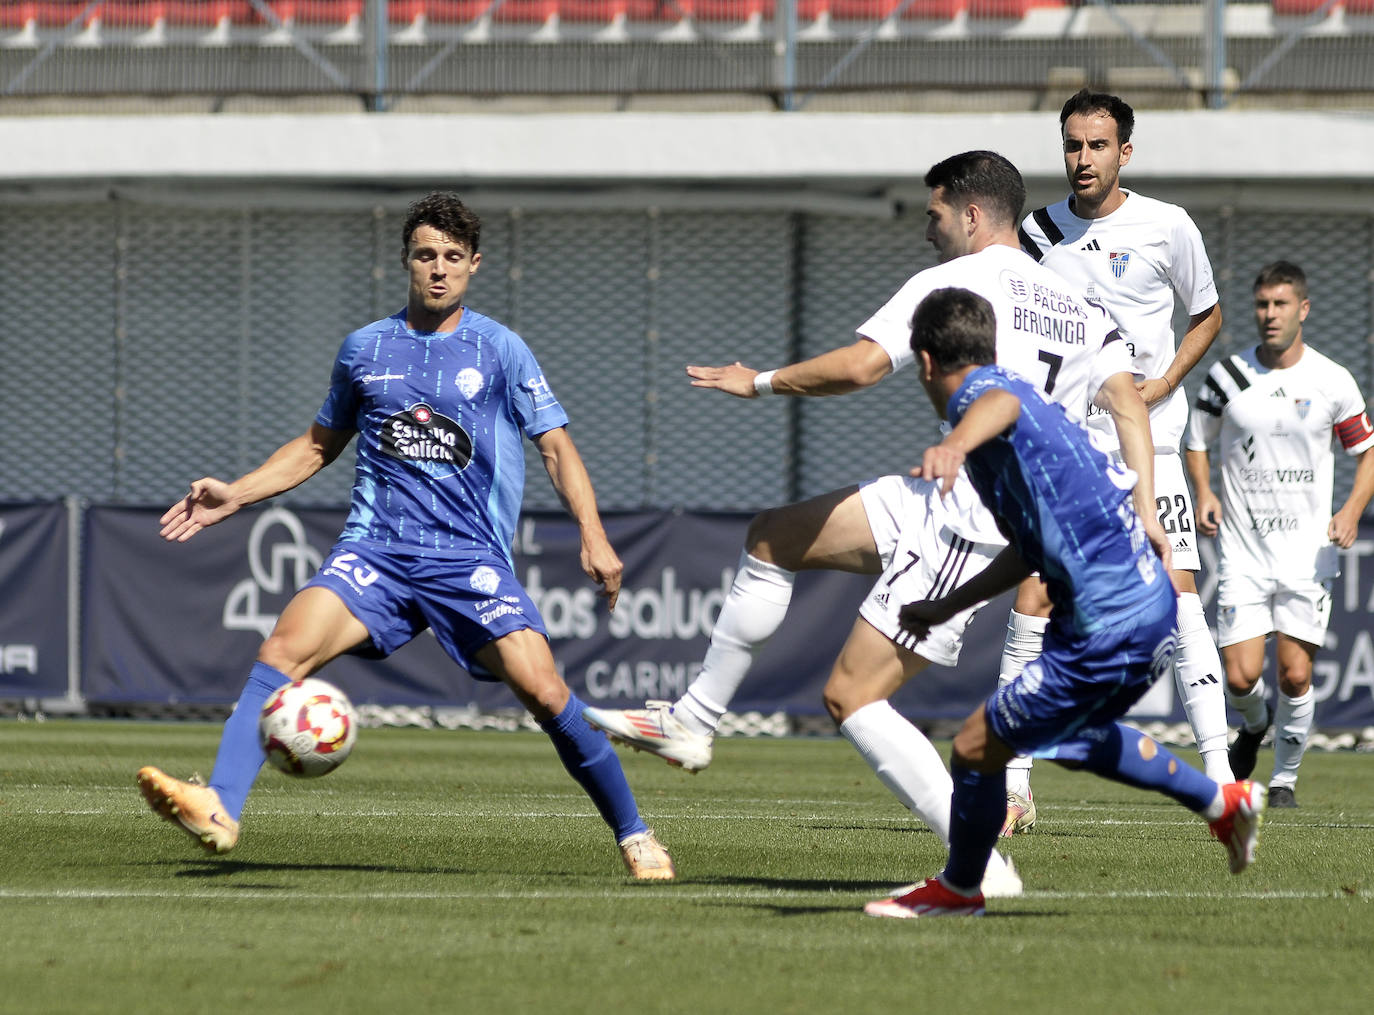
1266	525
1249	448
1091	245
1272	477
1182	545
1278	392
370	378
485	580
1119	260
470	382
1303	405
540	391
421	434
1015	287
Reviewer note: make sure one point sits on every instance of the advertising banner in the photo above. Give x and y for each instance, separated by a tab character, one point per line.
183	622
33	600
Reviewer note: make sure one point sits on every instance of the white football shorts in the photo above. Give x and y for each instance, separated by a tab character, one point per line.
1174	502
1249	606
929	546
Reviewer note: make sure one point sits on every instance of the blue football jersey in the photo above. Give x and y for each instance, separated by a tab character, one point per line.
440	420
1063	505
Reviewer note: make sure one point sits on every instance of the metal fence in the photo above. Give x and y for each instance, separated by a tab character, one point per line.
793	54
149	342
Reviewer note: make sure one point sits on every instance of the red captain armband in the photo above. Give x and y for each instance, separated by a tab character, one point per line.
1354	431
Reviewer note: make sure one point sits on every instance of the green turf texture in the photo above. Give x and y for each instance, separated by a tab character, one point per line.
464	871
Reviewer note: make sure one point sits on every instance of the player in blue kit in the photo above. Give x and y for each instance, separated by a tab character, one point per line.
1067	513
440	397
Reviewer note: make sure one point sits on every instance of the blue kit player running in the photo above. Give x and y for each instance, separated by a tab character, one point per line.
440	397
1066	512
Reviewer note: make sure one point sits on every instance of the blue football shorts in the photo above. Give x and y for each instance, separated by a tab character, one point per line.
468	603
1083	681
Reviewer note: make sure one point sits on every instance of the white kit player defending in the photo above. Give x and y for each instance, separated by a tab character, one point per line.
1273	413
1135	256
1044	331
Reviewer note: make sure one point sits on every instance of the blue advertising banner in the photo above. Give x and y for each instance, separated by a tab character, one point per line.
33	600
182	623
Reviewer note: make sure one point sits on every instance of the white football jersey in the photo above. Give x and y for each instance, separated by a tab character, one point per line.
1046	331
1133	261
1272	432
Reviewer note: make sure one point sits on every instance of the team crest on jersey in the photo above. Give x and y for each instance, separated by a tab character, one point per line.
1015	286
485	581
1303	405
470	382
1119	260
419	434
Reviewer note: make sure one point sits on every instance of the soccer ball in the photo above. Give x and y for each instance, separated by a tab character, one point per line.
307	728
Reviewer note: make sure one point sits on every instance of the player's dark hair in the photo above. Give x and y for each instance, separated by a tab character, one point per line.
443	211
1084	103
957	327
982	178
1282	273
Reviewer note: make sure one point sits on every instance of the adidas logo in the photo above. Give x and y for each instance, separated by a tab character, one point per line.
1277	393
881	600
1091	245
1291	739
1249	448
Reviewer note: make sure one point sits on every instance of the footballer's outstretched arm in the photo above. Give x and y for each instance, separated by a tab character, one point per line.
213	500
837	372
990	414
1118	395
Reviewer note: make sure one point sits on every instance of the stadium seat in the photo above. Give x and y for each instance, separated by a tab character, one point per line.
732	11
1300	8
455	12
50	14
526	12
880	10
1013	10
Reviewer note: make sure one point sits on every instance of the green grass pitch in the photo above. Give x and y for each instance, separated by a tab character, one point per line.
463	871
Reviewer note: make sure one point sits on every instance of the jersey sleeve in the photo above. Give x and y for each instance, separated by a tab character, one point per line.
533	402
890	326
340	408
1112	358
1352	427
1189	269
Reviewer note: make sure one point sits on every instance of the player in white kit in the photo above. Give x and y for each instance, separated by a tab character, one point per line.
1273	413
897	525
1135	256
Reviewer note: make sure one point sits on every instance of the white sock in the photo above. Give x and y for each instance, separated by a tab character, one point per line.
751	613
907	764
1025	637
1292	724
1254	713
1200	682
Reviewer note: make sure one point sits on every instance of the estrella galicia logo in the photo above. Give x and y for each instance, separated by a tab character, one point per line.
1119	260
420	434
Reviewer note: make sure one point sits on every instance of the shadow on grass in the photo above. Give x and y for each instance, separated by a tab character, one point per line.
228	868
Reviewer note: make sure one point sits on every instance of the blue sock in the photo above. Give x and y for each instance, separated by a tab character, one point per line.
589	758
240	752
975	819
1129	756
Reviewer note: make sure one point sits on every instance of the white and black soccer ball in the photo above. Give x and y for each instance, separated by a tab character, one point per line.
307	728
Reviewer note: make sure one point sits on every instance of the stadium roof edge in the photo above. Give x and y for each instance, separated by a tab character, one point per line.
619	148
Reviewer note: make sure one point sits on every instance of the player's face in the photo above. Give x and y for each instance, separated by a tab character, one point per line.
1279	315
1093	157
946	226
440	270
